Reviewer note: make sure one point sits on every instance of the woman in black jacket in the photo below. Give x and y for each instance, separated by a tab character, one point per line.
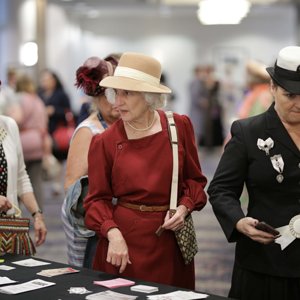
264	154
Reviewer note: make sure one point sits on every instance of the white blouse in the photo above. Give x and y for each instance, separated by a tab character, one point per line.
18	182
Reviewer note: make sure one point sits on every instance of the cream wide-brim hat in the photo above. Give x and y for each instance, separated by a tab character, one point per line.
136	72
257	70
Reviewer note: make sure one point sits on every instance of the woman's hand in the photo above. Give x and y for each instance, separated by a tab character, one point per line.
117	253
247	227
5	205
40	230
50	110
175	222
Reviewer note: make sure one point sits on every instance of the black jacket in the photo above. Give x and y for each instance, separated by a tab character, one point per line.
270	201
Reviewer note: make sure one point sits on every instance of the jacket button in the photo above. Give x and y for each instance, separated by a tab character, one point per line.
120	147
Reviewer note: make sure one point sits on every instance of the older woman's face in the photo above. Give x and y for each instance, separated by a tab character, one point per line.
287	105
131	105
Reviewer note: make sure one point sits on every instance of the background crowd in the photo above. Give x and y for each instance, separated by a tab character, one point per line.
42	112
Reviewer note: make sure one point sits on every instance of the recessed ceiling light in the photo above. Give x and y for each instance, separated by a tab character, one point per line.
213	12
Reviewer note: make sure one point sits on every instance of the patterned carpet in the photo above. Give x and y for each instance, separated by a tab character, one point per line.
213	261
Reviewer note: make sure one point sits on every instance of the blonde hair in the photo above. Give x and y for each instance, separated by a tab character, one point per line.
25	84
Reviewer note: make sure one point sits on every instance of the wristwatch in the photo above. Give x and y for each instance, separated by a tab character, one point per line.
38	211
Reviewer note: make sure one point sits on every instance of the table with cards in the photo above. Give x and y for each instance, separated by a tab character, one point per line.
23	277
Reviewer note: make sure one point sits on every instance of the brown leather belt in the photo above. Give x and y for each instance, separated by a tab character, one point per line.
143	207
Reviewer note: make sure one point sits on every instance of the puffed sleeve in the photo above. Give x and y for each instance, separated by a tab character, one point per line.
192	193
98	202
226	187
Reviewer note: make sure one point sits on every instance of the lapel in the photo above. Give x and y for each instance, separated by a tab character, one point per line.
278	132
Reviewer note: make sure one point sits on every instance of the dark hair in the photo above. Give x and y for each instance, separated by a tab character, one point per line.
58	85
89	75
275	84
113	58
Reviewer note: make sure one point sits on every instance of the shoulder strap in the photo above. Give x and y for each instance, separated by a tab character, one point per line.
174	144
102	121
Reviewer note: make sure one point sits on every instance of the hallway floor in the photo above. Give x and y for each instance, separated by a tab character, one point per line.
215	257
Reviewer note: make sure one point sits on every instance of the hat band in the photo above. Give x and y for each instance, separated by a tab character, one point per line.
136	74
291	75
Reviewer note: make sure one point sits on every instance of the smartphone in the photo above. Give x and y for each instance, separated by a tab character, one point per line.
267	228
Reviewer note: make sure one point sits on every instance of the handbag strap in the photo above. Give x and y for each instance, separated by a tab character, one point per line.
17	211
174	144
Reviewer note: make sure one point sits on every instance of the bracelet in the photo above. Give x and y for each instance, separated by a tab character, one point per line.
36	212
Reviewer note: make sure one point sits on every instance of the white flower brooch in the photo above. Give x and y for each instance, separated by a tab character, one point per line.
265	145
276	160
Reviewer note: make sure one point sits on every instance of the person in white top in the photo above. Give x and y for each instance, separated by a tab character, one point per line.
15	182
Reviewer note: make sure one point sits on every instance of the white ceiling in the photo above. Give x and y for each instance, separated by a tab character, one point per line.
84	8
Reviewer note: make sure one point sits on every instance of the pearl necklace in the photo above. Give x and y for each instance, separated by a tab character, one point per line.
143	129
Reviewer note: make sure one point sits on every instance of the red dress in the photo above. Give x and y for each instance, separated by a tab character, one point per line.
140	171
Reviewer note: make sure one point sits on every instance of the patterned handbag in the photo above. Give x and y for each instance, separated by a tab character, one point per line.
186	237
14	234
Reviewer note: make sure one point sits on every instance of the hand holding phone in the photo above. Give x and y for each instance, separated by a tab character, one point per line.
266	228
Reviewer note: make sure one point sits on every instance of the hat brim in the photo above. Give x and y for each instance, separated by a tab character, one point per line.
129	84
292	86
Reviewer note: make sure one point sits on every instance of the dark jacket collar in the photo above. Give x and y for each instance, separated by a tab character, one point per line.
277	130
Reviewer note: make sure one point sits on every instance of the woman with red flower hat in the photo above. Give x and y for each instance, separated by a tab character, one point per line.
80	241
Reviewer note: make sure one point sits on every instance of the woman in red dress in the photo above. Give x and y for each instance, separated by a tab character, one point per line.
132	161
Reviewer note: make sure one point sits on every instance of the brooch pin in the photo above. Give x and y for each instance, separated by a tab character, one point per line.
265	145
278	165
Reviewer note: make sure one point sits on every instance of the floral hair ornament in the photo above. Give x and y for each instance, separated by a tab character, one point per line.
265	145
91	73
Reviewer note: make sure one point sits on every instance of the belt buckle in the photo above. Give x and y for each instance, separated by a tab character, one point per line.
143	207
